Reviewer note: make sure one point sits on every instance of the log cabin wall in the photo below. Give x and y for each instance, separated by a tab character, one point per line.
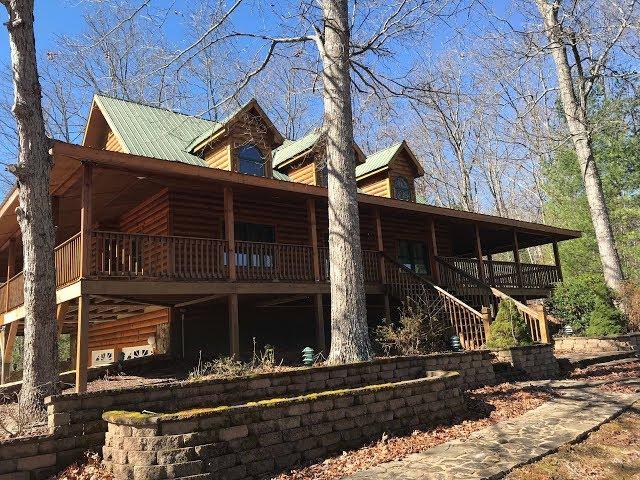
151	216
127	332
219	157
112	143
250	129
377	185
443	239
304	173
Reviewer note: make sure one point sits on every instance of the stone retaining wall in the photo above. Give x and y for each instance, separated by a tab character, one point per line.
620	343
532	361
78	414
258	439
36	458
76	423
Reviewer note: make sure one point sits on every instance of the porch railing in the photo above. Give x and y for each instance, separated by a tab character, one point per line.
370	263
67	263
133	255
274	261
505	274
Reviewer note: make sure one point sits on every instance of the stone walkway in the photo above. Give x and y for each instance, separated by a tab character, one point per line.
490	453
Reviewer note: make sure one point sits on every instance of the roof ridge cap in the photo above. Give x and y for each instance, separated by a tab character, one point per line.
156	107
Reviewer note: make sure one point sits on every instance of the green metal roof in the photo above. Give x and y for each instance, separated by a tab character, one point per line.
157	132
291	148
152	131
378	160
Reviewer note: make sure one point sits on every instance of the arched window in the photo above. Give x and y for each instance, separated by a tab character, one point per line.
251	161
401	188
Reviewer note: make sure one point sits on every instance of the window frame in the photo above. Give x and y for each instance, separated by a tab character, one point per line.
242	157
412	255
409	190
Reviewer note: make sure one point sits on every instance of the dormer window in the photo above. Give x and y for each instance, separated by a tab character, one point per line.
251	161
401	189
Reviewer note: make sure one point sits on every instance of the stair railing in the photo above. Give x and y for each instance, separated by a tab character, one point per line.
466	286
467	323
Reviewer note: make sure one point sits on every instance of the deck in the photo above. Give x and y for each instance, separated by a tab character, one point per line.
119	256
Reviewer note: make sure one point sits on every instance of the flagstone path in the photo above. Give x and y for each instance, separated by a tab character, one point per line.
576	409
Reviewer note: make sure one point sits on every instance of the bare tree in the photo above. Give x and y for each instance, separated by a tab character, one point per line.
40	362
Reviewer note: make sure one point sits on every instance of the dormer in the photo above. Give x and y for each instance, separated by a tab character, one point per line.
390	172
243	143
303	160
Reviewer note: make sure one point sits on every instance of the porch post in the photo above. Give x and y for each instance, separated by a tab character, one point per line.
82	343
479	254
229	227
380	245
383	273
234	329
11	270
490	267
86	215
545	336
313	239
387	308
8	339
556	257
433	246
516	257
319	316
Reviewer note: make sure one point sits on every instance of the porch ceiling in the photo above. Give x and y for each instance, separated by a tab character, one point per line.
122	181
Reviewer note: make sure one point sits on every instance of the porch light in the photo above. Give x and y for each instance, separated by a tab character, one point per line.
455	343
307	356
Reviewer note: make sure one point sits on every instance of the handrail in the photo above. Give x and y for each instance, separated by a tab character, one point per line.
466	322
535	320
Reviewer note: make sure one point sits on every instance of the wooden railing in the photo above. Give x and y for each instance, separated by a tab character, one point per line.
536	320
15	290
67	260
131	255
465	321
67	263
274	261
370	263
464	286
505	274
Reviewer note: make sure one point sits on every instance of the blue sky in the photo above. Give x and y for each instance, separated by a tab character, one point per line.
60	17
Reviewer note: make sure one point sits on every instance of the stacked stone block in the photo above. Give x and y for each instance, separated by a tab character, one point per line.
76	423
596	345
532	361
259	439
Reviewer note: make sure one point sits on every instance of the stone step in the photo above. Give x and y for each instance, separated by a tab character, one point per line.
200	476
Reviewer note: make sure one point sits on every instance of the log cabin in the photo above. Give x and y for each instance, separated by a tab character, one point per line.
193	237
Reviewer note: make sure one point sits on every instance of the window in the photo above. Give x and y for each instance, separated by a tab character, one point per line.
401	188
413	254
322	174
256	256
251	161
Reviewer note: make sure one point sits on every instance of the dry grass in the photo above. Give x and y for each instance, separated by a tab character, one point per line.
611	452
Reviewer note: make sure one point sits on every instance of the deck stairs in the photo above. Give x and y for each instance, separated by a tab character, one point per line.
460	303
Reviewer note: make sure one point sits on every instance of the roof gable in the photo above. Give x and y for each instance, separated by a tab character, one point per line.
382	159
197	143
151	131
290	149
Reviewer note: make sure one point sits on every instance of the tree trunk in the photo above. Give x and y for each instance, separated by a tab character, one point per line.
578	123
349	334
40	361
